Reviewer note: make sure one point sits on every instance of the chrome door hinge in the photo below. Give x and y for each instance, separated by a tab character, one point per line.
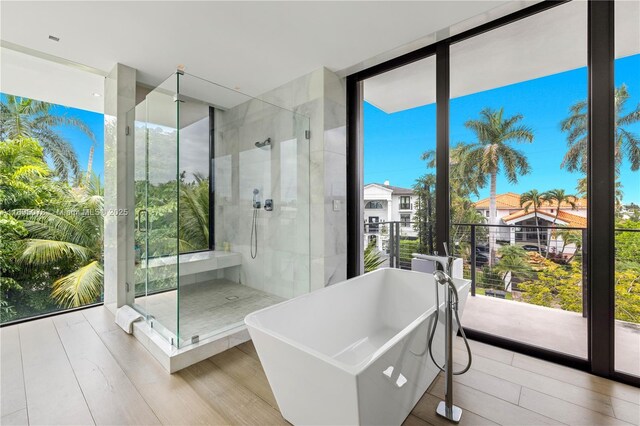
307	134
127	130
195	339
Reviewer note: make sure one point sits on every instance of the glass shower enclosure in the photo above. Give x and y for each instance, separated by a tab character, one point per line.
221	207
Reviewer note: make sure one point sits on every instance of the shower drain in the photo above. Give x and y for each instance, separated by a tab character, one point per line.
232	297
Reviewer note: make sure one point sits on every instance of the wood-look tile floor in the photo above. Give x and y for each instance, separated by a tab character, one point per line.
79	368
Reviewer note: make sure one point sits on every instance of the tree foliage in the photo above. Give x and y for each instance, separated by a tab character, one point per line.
68	238
556	286
627	143
29	118
372	258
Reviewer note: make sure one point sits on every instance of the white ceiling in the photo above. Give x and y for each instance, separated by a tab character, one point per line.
32	77
544	44
252	46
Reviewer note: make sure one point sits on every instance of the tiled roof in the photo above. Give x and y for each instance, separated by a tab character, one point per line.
511	200
571	220
394	189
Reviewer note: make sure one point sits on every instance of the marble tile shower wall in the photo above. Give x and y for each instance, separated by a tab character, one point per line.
302	242
279	173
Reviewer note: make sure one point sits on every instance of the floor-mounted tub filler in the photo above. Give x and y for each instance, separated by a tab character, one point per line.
355	352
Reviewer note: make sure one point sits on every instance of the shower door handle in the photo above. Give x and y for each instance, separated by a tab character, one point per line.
140	220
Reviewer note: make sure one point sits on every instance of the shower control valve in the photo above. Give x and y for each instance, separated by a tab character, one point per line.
268	204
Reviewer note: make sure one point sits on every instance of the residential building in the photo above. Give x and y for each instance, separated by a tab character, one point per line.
523	221
385	203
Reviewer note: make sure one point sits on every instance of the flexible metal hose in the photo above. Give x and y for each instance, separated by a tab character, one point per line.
435	324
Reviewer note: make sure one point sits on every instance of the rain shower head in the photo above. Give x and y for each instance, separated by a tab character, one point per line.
264	144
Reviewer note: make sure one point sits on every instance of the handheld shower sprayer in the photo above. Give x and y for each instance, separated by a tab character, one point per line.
254	224
256	199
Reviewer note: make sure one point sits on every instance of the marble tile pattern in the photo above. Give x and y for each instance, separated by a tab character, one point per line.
207	307
302	242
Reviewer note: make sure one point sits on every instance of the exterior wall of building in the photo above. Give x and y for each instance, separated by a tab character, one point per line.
500	213
391	212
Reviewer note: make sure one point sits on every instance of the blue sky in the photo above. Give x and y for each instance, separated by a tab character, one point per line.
81	142
394	142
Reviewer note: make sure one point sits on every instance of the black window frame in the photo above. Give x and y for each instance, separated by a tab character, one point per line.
405	205
369	203
601	178
212	188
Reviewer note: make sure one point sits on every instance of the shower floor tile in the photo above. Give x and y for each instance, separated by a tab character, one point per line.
206	308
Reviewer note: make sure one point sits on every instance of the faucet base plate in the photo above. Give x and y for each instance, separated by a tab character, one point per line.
454	414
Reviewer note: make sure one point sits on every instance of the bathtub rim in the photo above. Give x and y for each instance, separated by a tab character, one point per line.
354	369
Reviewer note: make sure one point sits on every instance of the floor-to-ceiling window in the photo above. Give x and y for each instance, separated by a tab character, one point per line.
51	187
627	221
521	103
518	175
399	141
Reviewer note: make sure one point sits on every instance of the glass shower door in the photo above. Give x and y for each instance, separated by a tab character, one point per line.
156	192
258	202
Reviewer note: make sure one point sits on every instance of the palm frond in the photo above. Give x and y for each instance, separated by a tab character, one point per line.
80	287
575	159
46	252
631	118
631	144
57	226
63	120
61	152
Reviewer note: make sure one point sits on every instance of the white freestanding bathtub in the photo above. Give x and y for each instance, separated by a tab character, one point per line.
354	352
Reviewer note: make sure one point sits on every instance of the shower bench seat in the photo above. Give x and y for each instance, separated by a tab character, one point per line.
194	263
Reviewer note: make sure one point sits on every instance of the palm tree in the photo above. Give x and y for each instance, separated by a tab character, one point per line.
533	199
460	188
569	236
70	238
425	212
559	196
491	153
627	143
513	259
23	117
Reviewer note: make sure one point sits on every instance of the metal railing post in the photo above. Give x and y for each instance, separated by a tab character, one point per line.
392	244
397	224
473	260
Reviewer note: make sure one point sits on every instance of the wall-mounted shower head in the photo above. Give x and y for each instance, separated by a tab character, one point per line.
264	144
